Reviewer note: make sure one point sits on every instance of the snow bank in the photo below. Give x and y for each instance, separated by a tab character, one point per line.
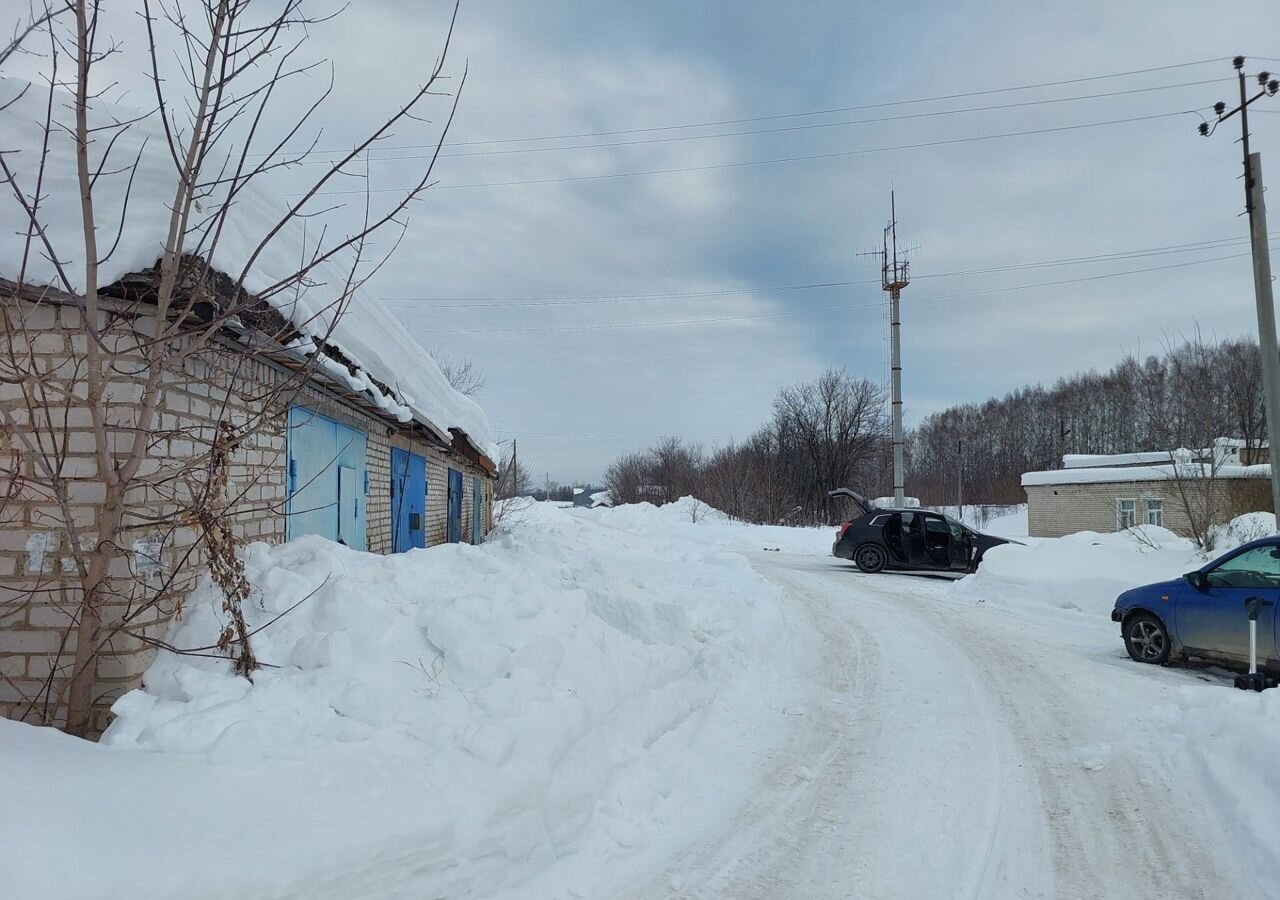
1084	571
1241	530
367	333
689	519
1233	736
444	722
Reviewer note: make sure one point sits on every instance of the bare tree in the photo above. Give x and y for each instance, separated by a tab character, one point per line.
832	429
107	471
626	478
825	433
462	374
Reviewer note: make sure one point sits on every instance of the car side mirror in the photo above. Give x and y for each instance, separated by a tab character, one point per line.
1196	580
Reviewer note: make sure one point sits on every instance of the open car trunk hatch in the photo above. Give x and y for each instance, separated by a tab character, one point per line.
865	505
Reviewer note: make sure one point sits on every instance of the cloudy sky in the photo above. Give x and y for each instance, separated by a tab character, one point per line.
766	133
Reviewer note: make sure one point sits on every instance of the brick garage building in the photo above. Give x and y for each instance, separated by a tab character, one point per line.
342	427
410	486
1181	491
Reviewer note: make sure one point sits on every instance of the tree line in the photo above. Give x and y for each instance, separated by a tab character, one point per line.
824	433
834	431
1186	396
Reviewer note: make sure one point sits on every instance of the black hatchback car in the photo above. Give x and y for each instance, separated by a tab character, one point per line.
911	539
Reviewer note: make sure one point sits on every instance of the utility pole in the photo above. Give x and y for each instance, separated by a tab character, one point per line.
893	278
960	479
1256	209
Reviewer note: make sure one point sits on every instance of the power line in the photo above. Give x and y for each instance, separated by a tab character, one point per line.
819	309
794	115
441	303
786	128
764	162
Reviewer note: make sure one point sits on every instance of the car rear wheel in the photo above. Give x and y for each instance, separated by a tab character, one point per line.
870	558
1146	639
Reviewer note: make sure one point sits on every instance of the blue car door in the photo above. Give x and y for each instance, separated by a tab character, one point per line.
1211	619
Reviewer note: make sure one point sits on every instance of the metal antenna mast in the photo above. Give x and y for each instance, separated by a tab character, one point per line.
894	276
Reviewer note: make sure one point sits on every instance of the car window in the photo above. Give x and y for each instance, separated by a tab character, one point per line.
935	524
879	520
1256	568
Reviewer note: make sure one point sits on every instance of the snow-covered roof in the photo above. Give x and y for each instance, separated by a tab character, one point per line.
1096	461
368	334
1143	473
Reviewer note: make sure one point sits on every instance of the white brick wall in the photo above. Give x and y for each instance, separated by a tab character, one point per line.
1061	509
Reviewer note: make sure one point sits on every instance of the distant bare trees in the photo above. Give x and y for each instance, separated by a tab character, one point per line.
667	471
832	432
825	433
1191	393
829	432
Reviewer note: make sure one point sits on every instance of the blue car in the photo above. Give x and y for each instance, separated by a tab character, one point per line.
1204	615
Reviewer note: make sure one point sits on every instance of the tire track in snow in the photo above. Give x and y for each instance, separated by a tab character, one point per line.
1116	826
895	772
759	855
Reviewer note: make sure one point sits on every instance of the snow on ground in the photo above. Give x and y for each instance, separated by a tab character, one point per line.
692	520
1230	737
1084	571
650	703
459	721
1234	736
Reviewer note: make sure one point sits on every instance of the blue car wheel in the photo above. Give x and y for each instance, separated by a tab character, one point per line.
1146	639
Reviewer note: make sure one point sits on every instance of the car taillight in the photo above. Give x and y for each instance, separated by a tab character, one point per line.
843	528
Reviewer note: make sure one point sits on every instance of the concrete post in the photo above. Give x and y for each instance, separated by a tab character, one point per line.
1266	317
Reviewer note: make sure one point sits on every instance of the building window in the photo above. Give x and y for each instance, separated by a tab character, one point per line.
1126	514
1155	512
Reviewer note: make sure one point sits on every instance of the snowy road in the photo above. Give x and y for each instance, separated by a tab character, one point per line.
953	749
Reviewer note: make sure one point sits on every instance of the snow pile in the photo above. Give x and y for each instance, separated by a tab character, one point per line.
445	722
1084	571
1233	736
368	333
889	503
690	520
1241	530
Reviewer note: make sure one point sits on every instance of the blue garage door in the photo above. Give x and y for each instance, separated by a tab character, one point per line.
408	500
455	506
477	511
328	480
